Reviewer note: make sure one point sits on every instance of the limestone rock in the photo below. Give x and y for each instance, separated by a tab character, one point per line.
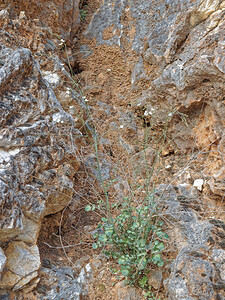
124	292
2	260
22	265
4	18
36	151
62	17
38	139
37	155
162	35
155	278
198	270
62	283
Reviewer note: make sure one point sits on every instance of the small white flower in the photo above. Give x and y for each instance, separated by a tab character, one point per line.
146	113
198	183
108	70
168	167
170	114
121	126
67	92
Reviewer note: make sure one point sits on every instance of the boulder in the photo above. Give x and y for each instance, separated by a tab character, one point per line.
23	263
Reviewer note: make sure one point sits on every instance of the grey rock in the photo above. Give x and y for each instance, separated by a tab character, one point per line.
192	276
138	72
62	283
97	262
101	168
165	24
86	51
143	159
104	17
2	260
218	257
22	265
165	32
198	270
177	289
37	160
52	78
50	45
178	202
127	119
4	18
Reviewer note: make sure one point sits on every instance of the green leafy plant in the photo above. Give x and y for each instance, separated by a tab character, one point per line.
134	238
147	292
83	13
132	233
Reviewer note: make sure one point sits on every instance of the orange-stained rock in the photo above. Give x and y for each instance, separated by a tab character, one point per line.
62	17
22	264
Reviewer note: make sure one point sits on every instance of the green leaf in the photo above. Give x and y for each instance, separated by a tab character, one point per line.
121	260
88	207
94	246
160	246
95	235
108	231
166	236
143	281
125	272
136	224
104	220
142	243
156	258
160	264
102	238
156	243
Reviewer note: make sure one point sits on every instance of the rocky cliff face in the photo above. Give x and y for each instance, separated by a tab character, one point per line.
38	155
140	62
172	53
